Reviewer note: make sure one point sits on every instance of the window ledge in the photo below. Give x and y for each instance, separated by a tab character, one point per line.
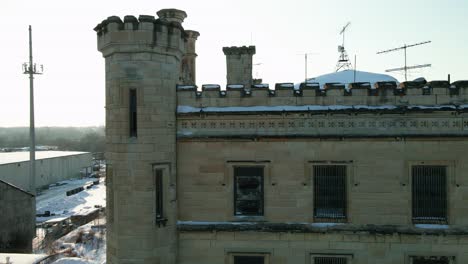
317	228
249	218
161	222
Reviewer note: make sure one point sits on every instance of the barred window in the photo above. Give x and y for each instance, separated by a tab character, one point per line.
331	259
248	191
330	192
249	259
431	260
429	194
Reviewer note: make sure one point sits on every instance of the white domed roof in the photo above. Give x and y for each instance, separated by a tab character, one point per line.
347	76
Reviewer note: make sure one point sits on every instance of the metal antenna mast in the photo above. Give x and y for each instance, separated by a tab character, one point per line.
30	69
256	71
305	63
406	68
343	60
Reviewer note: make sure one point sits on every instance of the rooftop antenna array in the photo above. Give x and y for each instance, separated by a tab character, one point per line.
343	59
406	68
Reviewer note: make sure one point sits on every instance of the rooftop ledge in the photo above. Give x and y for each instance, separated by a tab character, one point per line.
419	229
185	109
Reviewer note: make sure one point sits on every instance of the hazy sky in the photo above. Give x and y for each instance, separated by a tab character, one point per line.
71	92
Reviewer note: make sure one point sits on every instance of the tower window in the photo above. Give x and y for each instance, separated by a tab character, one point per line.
432	260
248	191
133	113
249	259
429	194
331	259
330	192
159	197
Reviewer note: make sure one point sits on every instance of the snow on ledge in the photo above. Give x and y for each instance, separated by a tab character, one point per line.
202	223
182	109
431	226
214	223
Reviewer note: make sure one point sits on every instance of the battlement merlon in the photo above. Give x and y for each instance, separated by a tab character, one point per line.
164	35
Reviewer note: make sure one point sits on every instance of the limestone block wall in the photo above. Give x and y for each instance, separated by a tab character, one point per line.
378	179
299	248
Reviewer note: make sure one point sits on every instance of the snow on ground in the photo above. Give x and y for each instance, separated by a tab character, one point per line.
71	261
84	245
21	258
57	202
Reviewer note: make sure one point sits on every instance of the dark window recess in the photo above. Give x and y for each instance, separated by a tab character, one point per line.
430	260
330	260
429	191
133	113
248	191
110	194
330	192
160	219
249	259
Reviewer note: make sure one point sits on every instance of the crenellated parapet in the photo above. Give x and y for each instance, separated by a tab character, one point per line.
143	34
250	50
362	93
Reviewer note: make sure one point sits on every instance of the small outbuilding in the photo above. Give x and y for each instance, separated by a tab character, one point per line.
17	219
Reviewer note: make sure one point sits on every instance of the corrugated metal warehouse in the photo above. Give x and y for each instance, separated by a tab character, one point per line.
51	167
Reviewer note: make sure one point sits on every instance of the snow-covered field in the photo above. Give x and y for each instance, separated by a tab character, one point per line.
57	202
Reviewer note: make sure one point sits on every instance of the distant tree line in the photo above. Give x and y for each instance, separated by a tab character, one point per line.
90	139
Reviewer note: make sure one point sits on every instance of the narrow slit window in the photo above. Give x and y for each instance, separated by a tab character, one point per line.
429	194
248	191
330	193
159	197
133	113
110	194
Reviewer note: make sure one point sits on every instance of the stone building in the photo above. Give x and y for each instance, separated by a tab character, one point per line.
17	219
324	173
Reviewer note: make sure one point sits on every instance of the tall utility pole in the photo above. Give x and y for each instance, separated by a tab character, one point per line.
30	69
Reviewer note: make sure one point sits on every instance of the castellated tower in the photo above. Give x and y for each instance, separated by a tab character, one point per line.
143	65
239	64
